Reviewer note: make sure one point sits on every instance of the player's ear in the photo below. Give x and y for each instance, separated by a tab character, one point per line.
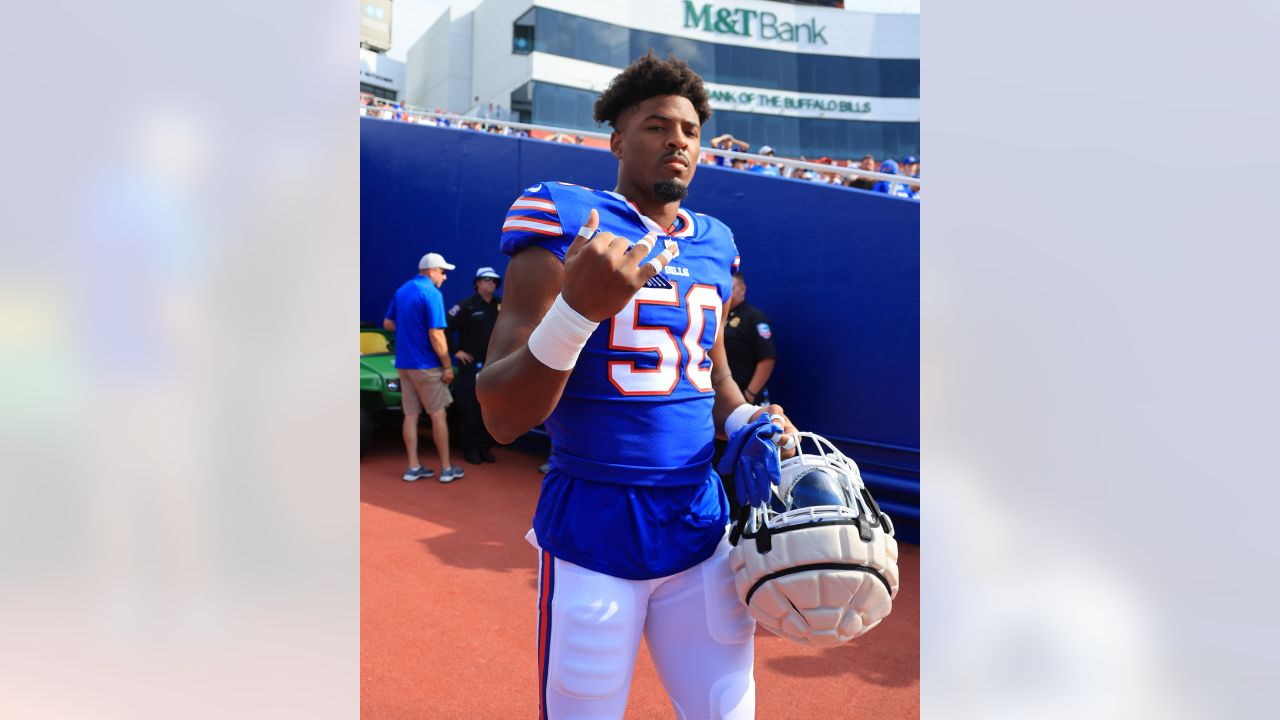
615	143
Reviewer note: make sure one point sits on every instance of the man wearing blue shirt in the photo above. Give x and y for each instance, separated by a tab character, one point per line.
417	315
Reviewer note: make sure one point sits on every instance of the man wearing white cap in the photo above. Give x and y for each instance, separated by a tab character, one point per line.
417	315
472	320
767	168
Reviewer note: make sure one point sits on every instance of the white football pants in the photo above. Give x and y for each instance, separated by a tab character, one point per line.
699	634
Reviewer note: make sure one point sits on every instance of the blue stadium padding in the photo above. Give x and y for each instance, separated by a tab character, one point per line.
835	269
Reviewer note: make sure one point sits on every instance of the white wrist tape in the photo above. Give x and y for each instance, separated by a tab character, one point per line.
560	336
738	418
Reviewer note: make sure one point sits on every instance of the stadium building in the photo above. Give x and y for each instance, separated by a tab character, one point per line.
810	79
380	75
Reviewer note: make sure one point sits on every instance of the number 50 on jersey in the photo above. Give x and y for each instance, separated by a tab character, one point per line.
702	305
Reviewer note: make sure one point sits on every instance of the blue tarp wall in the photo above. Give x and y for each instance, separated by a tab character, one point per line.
837	271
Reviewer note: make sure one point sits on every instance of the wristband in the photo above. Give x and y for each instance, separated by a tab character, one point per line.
738	418
560	336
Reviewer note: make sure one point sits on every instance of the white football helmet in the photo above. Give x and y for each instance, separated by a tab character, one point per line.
819	563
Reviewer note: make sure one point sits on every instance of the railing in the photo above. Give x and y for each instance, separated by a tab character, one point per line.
454	119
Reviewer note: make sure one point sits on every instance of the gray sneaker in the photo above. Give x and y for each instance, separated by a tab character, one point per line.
414	474
451	473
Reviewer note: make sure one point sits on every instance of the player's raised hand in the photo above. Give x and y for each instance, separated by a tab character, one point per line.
602	271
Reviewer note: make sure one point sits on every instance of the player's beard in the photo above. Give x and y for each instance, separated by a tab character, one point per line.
670	190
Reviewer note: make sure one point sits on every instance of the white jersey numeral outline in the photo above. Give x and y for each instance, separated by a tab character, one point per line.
626	333
698	300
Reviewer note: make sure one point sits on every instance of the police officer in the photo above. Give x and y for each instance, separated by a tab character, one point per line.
471	321
748	341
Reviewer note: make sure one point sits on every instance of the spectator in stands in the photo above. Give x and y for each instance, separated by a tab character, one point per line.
911	166
766	168
827	177
728	142
867	163
889	167
493	112
913	188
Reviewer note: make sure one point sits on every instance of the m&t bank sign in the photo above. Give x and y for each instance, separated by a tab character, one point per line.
750	23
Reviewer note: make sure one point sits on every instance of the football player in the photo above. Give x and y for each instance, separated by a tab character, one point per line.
610	334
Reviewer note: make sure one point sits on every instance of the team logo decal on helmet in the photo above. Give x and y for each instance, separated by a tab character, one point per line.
817	564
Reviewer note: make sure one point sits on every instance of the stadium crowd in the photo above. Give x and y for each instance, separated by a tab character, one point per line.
908	167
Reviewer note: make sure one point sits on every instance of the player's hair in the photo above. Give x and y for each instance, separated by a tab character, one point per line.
650	77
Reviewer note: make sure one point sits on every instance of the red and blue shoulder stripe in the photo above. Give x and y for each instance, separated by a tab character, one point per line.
531	213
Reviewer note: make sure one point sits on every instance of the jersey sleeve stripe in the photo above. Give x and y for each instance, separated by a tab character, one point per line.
541	227
538	221
518	213
533	203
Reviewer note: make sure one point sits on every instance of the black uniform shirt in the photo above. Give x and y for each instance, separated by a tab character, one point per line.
472	320
748	339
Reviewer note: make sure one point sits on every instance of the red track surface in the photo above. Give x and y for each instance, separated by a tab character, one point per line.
448	591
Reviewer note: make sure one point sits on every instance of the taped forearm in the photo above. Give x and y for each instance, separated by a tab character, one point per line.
560	336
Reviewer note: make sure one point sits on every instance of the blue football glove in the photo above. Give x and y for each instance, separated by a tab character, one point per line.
751	457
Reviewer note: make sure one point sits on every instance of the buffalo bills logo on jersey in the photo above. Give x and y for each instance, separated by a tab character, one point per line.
657	281
763	329
680	271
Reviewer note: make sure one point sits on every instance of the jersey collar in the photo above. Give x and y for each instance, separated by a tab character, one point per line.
683	227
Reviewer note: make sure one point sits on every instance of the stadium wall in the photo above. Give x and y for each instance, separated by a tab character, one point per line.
835	269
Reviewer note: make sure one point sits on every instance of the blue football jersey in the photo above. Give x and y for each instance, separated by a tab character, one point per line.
632	492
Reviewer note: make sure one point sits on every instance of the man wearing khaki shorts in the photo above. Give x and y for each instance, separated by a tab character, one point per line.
417	316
